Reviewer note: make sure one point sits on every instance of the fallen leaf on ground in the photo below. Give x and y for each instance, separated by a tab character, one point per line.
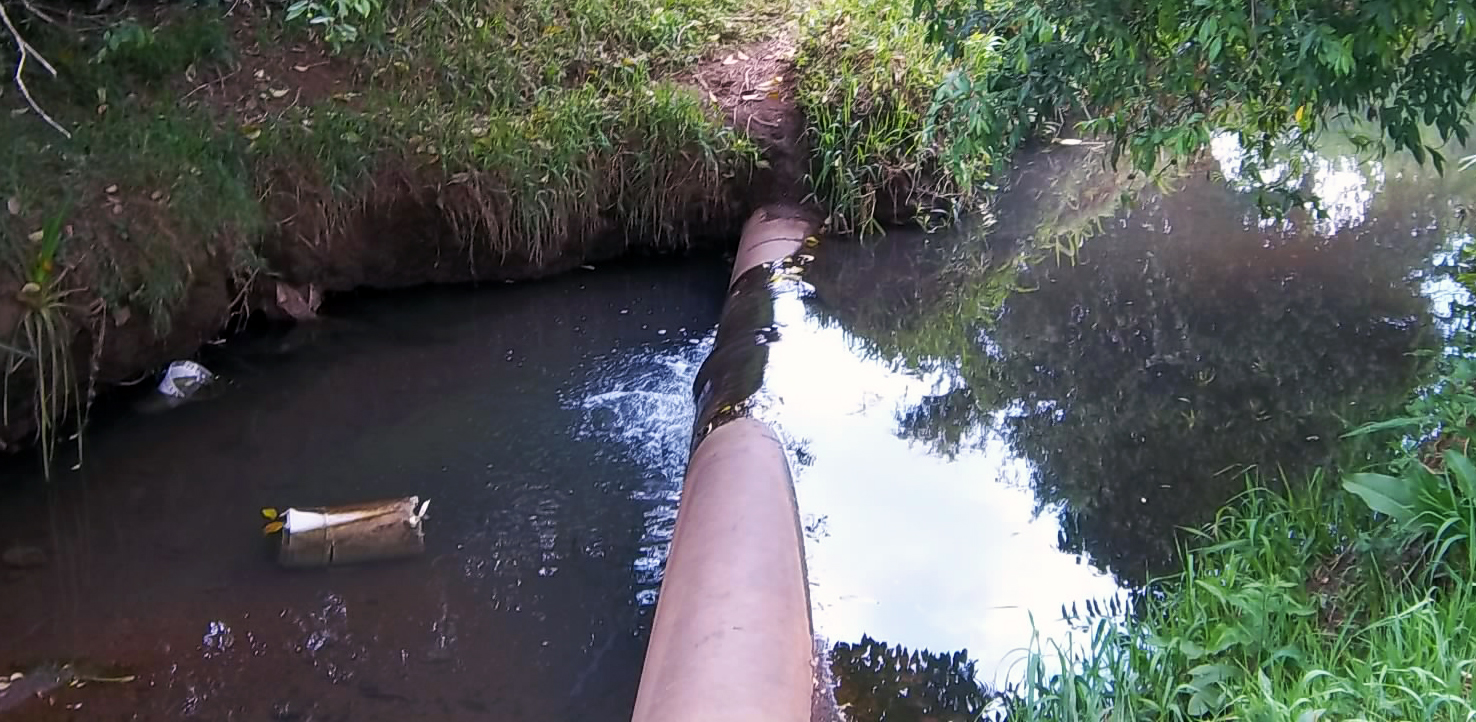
110	190
14	206
742	55
730	60
279	92
300	68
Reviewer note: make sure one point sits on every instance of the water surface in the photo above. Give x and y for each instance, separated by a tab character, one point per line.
989	427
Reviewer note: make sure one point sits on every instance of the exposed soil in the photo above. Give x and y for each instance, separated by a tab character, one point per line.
403	233
754	86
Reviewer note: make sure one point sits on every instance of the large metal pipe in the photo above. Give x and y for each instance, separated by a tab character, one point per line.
732	639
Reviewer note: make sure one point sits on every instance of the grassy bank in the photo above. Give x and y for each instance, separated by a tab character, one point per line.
1342	596
207	150
898	131
551	114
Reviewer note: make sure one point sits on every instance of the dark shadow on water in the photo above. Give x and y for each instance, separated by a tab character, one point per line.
524	606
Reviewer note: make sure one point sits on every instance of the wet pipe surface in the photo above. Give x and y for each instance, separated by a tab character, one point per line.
730	384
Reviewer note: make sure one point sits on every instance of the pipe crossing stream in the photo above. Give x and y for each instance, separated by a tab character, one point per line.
732	638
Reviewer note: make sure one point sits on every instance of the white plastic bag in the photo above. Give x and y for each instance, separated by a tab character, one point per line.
183	378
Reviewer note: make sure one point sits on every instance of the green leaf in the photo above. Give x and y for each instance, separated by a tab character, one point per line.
1387	495
270	514
1386	425
1465	472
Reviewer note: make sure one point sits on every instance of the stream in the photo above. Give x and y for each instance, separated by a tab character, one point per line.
994	431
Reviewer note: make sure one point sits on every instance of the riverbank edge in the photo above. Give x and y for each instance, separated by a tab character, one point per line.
1345	593
401	215
271	170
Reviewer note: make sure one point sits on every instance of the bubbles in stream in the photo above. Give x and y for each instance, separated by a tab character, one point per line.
641	403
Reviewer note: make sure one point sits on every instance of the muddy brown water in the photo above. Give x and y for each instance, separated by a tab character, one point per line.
980	439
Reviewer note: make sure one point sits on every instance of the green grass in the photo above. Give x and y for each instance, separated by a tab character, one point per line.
549	119
891	120
183	188
531	126
561	112
1300	603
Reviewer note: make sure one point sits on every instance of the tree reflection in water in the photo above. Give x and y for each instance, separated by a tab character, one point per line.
1186	342
875	682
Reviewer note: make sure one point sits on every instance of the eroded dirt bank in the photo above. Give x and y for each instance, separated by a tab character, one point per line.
411	225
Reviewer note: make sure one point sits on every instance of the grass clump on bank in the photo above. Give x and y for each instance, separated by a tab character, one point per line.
551	120
1332	599
898	130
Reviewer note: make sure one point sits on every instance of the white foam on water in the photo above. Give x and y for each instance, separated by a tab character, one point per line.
641	403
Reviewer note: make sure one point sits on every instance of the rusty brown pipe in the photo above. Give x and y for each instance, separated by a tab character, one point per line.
732	638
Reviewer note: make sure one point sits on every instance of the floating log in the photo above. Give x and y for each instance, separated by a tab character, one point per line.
337	535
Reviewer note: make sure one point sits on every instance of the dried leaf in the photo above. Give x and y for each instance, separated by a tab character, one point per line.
110	190
36	236
270	513
272	528
753	96
730	60
260	74
300	68
280	92
13	205
251	132
115	680
294	304
742	55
